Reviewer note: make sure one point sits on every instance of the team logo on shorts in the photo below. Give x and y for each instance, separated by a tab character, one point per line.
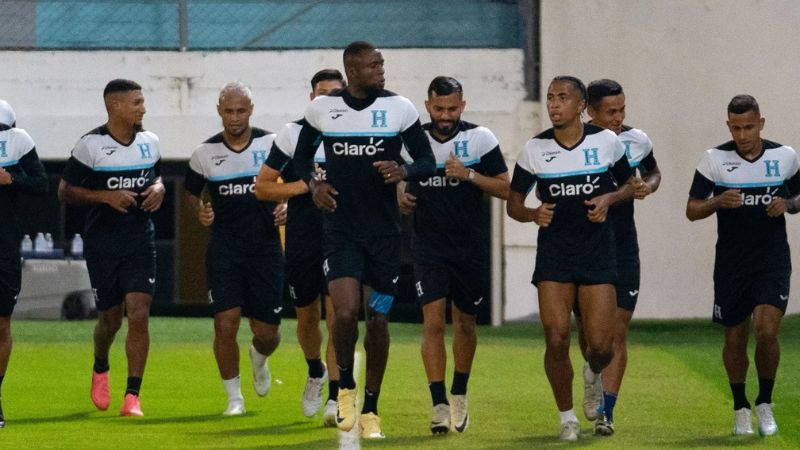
718	312
292	294
325	267
783	297
419	289
210	297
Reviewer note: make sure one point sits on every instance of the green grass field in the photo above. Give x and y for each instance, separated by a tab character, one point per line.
674	395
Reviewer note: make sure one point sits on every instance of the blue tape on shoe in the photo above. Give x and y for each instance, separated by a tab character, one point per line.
381	303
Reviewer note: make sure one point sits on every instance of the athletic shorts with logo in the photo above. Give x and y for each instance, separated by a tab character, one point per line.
10	283
464	281
305	281
628	268
735	297
375	261
253	282
115	275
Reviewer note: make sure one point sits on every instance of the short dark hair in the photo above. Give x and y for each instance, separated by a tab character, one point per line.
120	85
355	49
324	75
598	89
743	103
443	85
574	81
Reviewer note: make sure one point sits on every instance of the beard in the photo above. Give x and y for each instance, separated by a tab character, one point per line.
137	127
445	130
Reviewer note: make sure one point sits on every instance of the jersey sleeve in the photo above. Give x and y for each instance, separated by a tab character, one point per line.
195	179
492	162
277	159
79	165
307	143
410	115
419	148
648	160
524	178
621	169
793	180
703	182
33	179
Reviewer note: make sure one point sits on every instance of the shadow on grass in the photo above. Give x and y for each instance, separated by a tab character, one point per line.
726	441
73	417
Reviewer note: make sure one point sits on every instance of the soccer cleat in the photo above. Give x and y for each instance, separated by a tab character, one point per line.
261	377
592	393
329	416
101	396
346	409
235	408
312	394
131	407
440	420
459	418
603	426
766	420
370	425
742	422
569	431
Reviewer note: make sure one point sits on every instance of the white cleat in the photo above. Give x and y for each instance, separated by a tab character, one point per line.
766	420
742	422
329	416
459	417
312	394
440	419
235	408
569	431
592	393
261	377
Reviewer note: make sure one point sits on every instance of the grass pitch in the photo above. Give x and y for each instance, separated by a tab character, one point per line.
675	393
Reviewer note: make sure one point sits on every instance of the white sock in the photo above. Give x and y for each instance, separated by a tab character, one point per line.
568	416
258	358
233	387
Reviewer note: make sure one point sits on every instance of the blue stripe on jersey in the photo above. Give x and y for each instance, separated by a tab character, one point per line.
120	168
319	159
569	174
471	162
232	176
360	133
634	164
748	185
8	163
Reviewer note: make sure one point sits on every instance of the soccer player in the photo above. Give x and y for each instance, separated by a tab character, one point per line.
20	172
363	129
244	257
578	168
606	102
749	182
449	212
115	169
304	278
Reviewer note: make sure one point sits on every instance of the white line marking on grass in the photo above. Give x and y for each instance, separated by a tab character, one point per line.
350	440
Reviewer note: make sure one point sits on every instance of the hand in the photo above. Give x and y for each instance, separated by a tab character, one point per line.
319	173
598	208
543	215
205	213
153	197
323	195
280	213
390	171
641	189
732	198
120	200
406	202
777	207
5	177
454	168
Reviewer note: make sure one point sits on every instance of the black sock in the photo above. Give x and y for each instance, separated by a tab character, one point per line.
101	365
739	396
333	390
315	368
438	394
370	402
765	386
134	384
346	380
1	380
459	386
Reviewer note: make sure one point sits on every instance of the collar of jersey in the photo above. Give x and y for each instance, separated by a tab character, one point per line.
357	104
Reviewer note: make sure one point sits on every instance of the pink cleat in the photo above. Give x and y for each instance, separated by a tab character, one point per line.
100	393
130	407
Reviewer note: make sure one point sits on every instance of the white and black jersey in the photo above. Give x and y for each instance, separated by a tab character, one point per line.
748	240
450	212
18	157
567	177
242	223
355	134
100	162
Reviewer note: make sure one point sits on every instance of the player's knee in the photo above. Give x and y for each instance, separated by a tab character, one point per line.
433	328
557	341
599	357
465	325
765	334
377	322
267	338
110	323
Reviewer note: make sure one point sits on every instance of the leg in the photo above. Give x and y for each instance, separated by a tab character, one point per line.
465	341
434	355
330	352
734	353
137	343
226	349
766	324
266	336
376	345
345	294
613	373
108	323
598	303
309	334
555	307
5	344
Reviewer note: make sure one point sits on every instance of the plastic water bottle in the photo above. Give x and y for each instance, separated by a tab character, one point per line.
76	249
40	245
48	239
27	244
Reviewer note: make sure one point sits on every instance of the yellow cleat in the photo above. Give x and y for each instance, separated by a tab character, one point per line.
370	425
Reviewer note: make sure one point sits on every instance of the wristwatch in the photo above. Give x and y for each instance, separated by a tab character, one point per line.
471	175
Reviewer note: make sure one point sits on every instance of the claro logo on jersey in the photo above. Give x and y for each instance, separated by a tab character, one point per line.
347	149
575	189
128	182
759	199
440	181
238	189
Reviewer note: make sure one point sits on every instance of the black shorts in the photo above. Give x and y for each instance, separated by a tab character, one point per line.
552	269
113	276
305	281
373	261
464	282
252	282
628	281
10	282
735	297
